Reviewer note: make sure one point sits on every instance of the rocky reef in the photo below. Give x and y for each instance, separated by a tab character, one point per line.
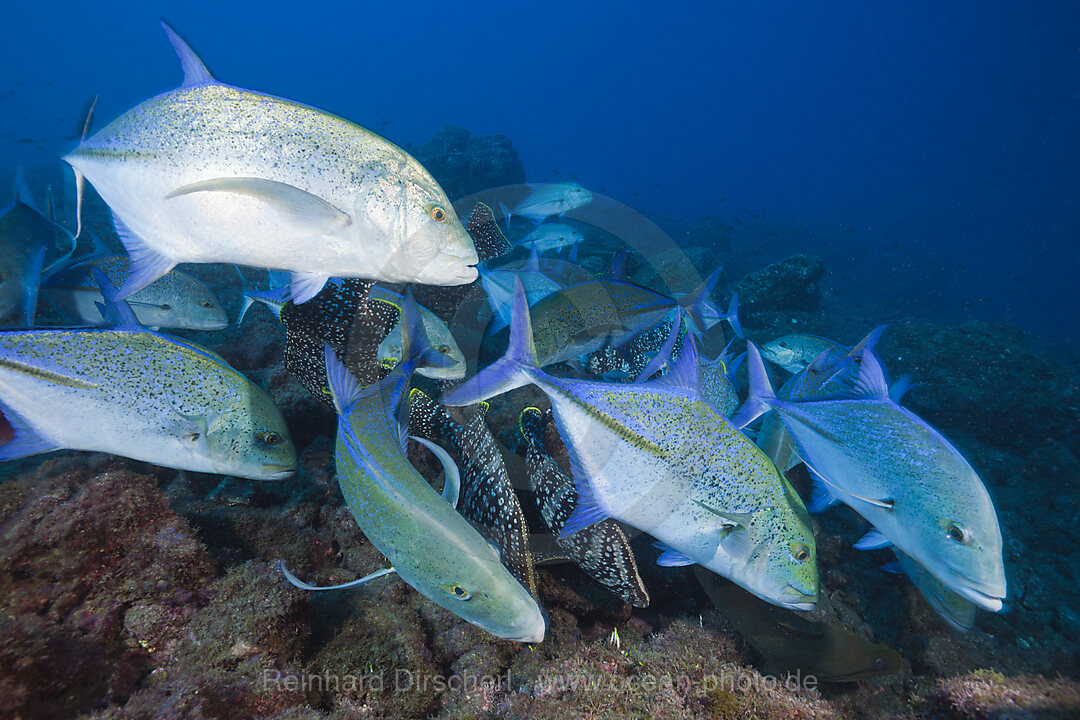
464	163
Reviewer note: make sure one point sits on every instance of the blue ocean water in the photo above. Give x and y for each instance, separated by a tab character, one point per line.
927	150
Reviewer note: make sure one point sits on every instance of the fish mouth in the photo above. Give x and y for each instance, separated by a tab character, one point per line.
277	472
534	636
966	586
798	599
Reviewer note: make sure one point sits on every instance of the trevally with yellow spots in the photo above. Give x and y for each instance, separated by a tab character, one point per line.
215	173
140	394
896	471
428	543
660	458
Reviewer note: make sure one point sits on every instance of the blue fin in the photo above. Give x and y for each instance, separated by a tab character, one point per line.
869	342
733	368
572	256
670	557
344	387
900	387
534	258
508	372
732	316
761	392
663	355
145	263
416	349
586	513
452	482
351	584
871	382
195	73
22	190
892	567
701	310
617	269
873	540
506	213
31	286
306	285
821	498
116	310
686	372
25	441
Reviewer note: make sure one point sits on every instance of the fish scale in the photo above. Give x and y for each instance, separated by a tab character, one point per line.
141	395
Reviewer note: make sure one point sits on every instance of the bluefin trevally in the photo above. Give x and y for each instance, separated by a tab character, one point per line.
899	473
429	544
140	394
795	351
547	199
174	300
551	236
658	457
214	173
539	276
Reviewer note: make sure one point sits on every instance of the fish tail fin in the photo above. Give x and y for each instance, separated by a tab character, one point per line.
761	392
699	307
31	286
732	316
115	310
507	213
510	371
344	387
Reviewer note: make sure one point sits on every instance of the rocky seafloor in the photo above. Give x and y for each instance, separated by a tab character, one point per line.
133	591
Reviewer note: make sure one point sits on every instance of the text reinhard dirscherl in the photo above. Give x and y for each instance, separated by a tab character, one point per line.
402	680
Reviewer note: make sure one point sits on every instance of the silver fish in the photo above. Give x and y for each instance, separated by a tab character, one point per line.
215	173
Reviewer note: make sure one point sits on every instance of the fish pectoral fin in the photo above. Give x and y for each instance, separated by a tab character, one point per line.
452	483
145	263
305	286
730	518
884	503
873	540
297	582
300	206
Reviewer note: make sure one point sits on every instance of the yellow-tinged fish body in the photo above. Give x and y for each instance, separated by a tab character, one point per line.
142	395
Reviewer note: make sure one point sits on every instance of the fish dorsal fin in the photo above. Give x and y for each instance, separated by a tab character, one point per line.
686	373
868	342
195	72
871	382
534	258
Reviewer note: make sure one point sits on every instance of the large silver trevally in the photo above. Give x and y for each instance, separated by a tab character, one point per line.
429	544
174	300
214	173
899	473
547	199
140	394
660	458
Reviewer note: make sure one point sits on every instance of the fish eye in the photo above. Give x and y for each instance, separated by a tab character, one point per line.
879	662
800	552
437	213
206	304
166	306
783	344
444	349
270	438
956	532
459	592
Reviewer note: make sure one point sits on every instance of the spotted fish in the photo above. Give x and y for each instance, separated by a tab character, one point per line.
487	498
602	550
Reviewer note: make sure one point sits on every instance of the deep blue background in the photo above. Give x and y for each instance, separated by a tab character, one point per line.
929	149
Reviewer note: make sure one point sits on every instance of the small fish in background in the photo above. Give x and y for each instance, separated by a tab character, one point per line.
547	199
139	394
602	550
175	300
796	351
790	642
215	173
32	246
551	236
442	339
898	472
428	543
487	498
659	458
539	276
